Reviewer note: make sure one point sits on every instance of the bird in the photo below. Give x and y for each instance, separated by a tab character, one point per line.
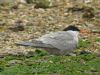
56	43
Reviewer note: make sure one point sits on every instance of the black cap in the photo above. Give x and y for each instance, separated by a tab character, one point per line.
71	27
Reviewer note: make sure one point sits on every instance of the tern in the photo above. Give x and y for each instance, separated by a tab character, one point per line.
56	43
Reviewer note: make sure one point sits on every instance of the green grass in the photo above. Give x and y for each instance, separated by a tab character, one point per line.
97	39
84	43
86	64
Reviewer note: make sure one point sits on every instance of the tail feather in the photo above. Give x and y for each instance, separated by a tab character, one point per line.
25	43
36	44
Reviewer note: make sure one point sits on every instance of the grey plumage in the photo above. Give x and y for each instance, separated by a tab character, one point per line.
60	43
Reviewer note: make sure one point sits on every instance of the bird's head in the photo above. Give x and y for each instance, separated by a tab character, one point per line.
74	28
71	28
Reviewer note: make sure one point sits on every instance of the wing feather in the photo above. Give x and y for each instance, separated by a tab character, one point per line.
61	40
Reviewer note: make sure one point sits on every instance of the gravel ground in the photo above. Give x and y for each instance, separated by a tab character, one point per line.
22	22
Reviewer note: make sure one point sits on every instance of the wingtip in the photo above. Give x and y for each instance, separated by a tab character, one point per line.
24	43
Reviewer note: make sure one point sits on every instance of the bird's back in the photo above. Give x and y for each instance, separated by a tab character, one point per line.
61	40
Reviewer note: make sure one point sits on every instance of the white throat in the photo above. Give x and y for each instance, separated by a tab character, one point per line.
74	33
